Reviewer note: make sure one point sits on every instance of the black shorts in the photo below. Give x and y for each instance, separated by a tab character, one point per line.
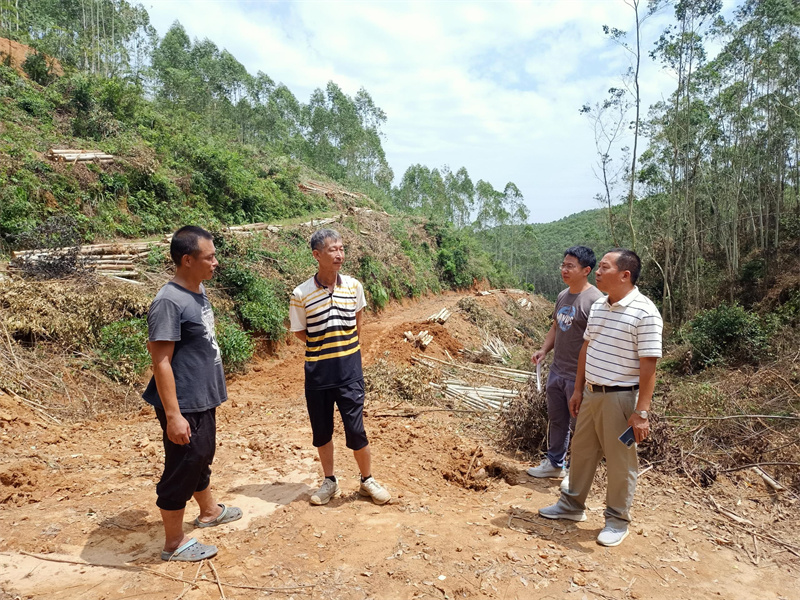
187	469
350	400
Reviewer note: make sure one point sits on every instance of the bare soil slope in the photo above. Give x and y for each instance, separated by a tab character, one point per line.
78	519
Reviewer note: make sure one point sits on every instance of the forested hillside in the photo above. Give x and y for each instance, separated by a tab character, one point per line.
706	190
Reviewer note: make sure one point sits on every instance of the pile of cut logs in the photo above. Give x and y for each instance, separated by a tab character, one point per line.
72	155
421	340
525	303
114	260
316	187
480	398
440	317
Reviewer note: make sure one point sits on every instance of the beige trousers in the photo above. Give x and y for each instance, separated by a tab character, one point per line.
602	418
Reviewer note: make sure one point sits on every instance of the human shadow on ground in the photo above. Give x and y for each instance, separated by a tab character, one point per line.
568	534
128	536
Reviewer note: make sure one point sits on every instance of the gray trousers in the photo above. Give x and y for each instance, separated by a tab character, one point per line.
602	418
560	423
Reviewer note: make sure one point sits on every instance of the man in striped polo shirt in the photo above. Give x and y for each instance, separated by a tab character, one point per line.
617	368
325	313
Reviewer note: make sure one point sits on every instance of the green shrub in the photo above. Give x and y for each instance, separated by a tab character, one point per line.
36	67
122	347
372	273
235	345
259	302
728	334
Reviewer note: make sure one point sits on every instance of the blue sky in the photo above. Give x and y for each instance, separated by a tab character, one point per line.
494	86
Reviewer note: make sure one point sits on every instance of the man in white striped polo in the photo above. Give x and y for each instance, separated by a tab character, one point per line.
325	313
617	368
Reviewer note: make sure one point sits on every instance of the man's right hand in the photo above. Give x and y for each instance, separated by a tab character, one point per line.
178	430
538	356
575	402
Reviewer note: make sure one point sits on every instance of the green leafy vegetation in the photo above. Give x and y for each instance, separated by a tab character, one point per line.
727	334
236	345
122	348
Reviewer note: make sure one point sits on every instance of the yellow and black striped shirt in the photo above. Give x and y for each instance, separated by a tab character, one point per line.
333	352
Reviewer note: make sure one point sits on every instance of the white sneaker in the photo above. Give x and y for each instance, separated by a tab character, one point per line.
546	469
329	489
565	483
375	490
556	511
611	536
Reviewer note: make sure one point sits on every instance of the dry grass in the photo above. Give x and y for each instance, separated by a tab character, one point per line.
395	383
68	312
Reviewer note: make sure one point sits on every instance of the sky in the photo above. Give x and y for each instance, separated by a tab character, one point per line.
493	86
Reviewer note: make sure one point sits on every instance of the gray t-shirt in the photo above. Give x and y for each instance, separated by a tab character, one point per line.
180	316
570	315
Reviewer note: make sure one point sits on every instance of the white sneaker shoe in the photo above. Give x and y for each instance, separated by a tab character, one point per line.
556	511
329	489
546	469
565	483
611	536
375	490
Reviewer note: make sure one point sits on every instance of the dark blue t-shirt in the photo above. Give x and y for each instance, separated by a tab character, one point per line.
180	316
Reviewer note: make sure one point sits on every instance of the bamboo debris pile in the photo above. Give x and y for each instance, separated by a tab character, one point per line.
525	303
73	155
421	340
252	228
315	187
439	317
498	372
113	259
485	398
493	350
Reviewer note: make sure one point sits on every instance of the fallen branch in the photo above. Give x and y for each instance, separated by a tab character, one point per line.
728	417
126	567
762	464
216	578
452	364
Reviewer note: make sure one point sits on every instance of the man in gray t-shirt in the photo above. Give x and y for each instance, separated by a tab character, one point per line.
566	337
185	317
188	385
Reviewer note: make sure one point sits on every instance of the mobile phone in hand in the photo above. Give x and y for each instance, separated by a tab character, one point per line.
627	437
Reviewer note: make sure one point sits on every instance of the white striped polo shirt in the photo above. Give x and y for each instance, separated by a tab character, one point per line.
619	335
333	352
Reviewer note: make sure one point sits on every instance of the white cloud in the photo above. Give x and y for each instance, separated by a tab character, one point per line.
493	86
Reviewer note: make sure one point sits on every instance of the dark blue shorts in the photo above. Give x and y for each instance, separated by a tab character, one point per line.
350	401
187	468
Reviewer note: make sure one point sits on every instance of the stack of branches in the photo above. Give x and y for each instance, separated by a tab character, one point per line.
524	421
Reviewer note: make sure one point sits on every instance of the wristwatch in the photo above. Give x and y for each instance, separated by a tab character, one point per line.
641	413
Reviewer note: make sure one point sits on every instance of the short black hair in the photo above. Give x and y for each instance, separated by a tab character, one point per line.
628	260
320	237
186	241
584	254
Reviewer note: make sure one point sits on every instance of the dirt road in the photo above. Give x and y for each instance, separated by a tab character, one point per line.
78	518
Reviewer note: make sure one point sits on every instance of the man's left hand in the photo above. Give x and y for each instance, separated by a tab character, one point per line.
641	427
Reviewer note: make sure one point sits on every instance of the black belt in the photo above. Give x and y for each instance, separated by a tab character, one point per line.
594	388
